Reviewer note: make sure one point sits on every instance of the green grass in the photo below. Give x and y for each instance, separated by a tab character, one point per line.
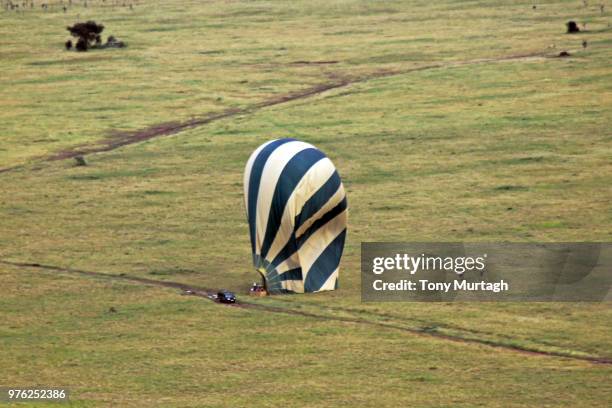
514	150
161	349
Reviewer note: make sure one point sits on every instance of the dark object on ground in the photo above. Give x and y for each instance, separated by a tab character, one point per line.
584	44
68	45
87	33
112	42
112	310
564	54
534	7
572	27
80	161
81	45
226	297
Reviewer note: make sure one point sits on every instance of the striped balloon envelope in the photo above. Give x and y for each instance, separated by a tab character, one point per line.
297	213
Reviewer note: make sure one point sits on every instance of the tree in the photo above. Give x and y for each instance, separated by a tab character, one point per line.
88	34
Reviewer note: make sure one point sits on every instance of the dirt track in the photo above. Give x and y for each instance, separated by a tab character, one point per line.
118	139
209	294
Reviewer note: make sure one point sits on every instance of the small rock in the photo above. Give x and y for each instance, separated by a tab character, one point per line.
80	161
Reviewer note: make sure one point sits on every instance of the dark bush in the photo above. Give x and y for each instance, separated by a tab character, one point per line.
89	32
88	35
572	27
68	45
81	45
80	161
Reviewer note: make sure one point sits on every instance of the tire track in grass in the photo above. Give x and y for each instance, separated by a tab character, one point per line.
120	139
210	294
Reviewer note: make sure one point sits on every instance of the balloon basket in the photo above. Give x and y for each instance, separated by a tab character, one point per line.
258	290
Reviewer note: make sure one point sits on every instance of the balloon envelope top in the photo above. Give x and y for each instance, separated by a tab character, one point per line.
297	214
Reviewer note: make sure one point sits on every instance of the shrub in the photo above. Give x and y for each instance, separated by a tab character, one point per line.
87	33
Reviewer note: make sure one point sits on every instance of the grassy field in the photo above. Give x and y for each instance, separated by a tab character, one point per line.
448	121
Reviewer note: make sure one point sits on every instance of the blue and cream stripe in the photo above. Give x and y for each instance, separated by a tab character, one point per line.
297	213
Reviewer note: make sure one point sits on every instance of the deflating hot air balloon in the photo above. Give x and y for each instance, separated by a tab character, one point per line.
297	214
